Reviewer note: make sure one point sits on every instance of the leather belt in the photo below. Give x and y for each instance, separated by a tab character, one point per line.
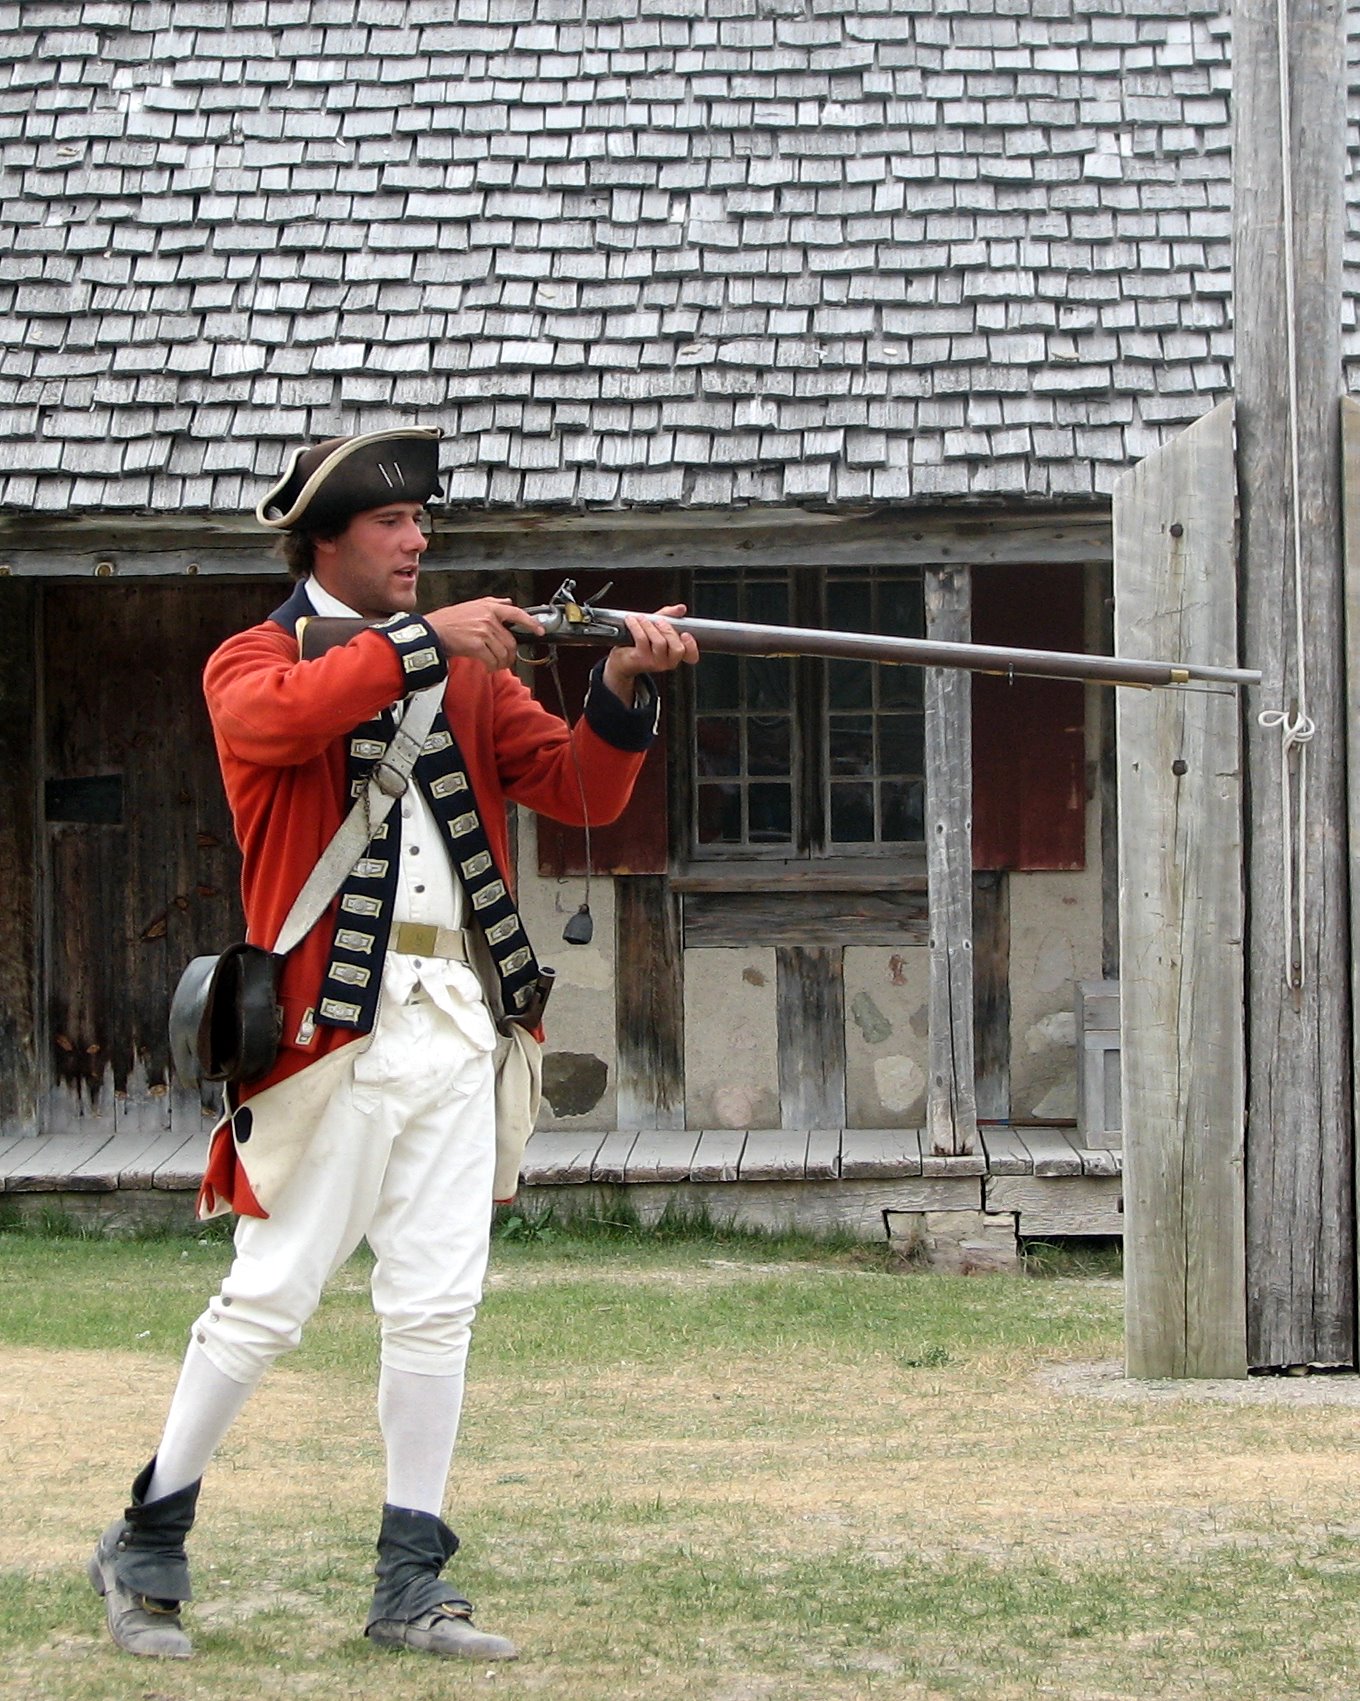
422	939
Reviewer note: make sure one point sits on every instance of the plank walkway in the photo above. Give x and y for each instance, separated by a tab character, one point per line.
102	1163
821	1154
854	1178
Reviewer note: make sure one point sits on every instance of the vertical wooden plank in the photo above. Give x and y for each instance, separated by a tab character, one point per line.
810	1022
1100	624
992	993
1301	1236
1350	516
649	1003
1180	850
19	785
951	1106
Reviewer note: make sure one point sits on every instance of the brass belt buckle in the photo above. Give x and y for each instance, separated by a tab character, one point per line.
417	938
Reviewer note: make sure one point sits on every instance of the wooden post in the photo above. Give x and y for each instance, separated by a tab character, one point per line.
951	1102
1350	511
992	993
650	1003
810	1018
1301	1278
1181	912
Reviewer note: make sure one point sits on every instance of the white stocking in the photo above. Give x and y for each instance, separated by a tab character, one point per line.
419	1417
203	1410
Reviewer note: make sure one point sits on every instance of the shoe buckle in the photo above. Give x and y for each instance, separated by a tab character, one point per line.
449	1610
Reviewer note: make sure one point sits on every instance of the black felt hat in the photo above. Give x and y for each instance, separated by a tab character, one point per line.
324	486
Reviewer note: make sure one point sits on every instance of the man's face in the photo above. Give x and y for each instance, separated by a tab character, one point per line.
374	564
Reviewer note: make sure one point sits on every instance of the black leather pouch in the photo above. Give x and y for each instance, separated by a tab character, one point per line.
224	1018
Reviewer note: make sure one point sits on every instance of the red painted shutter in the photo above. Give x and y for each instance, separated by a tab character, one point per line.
1029	735
639	841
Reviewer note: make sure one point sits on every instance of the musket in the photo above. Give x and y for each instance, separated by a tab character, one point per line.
567	620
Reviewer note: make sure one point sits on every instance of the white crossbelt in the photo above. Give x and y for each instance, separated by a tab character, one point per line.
386	783
423	939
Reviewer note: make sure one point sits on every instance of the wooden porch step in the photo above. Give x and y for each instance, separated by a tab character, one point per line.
821	1178
104	1162
554	1159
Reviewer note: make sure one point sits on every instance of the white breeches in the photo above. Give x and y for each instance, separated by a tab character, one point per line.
404	1157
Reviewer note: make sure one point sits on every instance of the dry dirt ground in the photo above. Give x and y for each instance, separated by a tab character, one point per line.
1066	1465
1045	1461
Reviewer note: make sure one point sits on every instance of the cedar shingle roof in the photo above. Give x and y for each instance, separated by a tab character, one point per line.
626	252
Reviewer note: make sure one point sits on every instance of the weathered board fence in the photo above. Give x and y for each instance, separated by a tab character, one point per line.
1350	513
1181	910
1289	232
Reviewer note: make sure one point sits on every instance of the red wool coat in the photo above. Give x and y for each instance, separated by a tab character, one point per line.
281	726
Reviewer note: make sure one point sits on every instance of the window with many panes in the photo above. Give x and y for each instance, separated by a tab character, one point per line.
800	757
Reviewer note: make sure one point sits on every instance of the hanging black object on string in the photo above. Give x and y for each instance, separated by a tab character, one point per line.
580	928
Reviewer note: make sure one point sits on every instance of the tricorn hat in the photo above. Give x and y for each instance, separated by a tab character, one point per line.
324	486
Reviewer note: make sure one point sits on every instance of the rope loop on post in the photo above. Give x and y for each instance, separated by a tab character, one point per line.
1296	733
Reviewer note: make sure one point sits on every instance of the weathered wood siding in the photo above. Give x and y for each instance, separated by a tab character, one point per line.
650	983
810	1017
1180	852
1301	1234
992	994
141	868
1350	492
20	1043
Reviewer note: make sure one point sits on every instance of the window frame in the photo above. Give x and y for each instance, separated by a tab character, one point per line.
810	858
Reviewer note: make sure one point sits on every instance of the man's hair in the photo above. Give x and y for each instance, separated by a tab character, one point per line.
298	550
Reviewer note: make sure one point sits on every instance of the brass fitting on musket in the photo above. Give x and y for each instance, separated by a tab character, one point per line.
567	620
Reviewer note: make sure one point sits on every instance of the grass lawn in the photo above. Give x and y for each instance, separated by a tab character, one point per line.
693	1468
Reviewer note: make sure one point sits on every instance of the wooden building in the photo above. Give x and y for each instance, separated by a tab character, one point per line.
843	315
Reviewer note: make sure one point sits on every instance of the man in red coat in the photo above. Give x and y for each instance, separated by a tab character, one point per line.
377	1121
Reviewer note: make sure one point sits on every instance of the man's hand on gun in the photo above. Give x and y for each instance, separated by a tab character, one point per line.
482	630
656	648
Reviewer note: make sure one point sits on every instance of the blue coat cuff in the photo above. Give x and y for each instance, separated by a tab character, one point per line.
422	655
624	728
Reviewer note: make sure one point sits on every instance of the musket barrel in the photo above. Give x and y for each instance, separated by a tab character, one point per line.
730	637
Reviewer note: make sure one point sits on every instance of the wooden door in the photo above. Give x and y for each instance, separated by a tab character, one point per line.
142	871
